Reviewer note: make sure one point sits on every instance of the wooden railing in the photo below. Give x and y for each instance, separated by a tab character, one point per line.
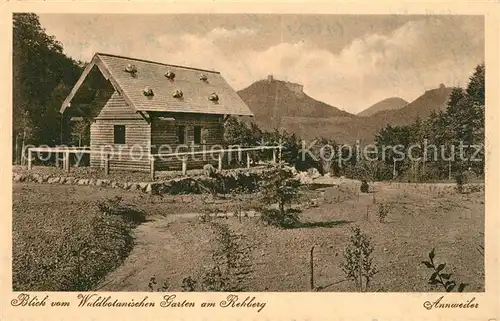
66	151
220	153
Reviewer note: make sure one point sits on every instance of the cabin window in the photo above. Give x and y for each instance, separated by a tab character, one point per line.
181	134
119	134
197	134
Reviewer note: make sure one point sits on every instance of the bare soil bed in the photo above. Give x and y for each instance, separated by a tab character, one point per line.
174	244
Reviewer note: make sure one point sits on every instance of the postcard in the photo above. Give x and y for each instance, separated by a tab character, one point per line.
252	161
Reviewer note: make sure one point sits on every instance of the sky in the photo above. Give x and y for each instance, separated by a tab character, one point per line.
347	61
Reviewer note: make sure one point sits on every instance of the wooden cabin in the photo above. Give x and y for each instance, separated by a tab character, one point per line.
141	107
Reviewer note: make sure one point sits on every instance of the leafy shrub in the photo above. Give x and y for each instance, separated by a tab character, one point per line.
237	132
325	151
438	277
209	170
212	281
383	210
152	285
480	247
358	263
229	261
222	276
474	188
460	180
282	188
287	219
228	253
188	284
215	281
364	186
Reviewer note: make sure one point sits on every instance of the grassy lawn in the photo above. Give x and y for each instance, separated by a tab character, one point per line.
51	221
62	241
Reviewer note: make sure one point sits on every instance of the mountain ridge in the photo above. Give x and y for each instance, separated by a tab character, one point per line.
391	103
270	100
281	104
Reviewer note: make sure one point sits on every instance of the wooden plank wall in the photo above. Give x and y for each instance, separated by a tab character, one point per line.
145	136
165	132
137	135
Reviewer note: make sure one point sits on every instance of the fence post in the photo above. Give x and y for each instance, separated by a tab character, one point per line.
106	164
29	158
66	160
274	155
311	266
449	169
219	167
58	160
248	160
184	165
152	167
279	153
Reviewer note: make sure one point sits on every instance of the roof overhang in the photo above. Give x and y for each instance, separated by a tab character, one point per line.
107	72
96	61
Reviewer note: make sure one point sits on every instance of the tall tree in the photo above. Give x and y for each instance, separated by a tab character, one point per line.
462	123
42	77
476	116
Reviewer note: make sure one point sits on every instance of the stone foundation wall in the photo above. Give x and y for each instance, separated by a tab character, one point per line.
245	182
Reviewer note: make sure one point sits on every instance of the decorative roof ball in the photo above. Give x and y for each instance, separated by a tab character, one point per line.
213	97
203	77
177	93
170	74
131	69
148	92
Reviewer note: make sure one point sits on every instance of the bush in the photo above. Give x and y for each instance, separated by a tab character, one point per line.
461	180
188	284
153	288
358	265
225	271
274	217
282	188
212	281
364	187
438	277
209	170
215	281
383	210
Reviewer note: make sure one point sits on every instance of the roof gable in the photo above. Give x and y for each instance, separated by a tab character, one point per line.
195	90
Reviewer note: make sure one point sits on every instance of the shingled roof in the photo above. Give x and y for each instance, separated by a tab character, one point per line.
195	84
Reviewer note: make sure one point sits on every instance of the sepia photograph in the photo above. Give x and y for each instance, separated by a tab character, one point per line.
219	152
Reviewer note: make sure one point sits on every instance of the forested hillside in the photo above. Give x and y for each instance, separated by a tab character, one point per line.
42	78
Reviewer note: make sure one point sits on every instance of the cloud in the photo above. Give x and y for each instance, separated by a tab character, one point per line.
413	58
220	32
416	57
